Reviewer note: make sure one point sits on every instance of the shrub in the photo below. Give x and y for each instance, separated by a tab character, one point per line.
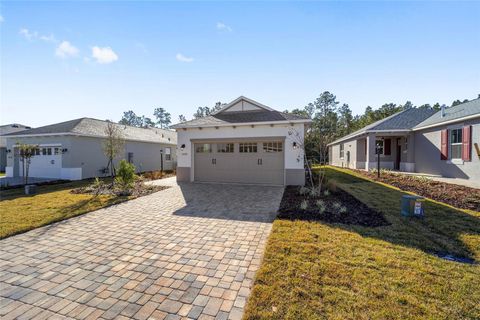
321	206
304	205
315	192
303	191
332	185
125	175
326	193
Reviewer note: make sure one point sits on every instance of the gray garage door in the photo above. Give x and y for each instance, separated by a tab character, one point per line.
240	162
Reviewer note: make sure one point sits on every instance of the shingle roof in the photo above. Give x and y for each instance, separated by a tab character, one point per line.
239	117
13	127
470	108
403	120
95	127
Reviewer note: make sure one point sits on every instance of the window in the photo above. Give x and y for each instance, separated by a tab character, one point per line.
130	157
248	147
225	147
456	144
168	154
56	151
272	146
379	146
203	148
37	151
342	150
47	151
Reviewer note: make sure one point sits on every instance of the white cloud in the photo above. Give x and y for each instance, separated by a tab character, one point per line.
182	58
66	50
1	18
28	34
223	27
49	38
104	55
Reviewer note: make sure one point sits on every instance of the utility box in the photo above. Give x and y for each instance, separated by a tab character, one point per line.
413	206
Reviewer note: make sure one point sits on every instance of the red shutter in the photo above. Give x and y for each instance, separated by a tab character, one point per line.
388	145
466	143
444	145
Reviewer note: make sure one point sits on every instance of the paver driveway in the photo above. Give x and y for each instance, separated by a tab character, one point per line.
190	251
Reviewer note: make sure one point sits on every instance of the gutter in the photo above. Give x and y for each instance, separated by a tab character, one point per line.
366	132
242	124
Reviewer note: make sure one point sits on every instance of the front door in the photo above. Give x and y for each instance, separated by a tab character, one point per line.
399	155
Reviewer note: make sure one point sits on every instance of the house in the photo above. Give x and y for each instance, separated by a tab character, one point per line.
421	140
73	150
6	129
244	142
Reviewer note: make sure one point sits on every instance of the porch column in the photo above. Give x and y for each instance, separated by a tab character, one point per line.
370	159
409	165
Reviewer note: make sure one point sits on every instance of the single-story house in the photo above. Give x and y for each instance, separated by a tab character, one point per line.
244	142
445	142
6	129
73	150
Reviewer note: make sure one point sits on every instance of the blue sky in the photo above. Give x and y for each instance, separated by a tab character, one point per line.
65	60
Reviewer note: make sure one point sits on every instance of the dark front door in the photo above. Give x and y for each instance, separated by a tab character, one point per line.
399	155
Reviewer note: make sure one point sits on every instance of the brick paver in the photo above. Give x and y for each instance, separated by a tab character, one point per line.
190	251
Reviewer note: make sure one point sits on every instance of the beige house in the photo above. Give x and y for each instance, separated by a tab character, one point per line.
73	150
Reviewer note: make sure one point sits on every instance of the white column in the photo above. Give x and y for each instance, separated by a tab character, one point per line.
370	159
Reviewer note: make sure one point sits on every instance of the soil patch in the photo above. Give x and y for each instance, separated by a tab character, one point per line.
452	194
333	207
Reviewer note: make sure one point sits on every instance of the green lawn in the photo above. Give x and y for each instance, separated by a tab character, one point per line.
314	270
20	213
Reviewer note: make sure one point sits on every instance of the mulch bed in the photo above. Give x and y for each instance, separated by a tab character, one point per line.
139	190
452	194
356	213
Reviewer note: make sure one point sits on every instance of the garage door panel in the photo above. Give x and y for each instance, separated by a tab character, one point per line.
240	167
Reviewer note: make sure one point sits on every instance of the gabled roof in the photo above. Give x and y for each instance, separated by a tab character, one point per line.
224	117
470	109
401	121
96	128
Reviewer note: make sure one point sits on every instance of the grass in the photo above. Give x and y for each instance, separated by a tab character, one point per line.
52	203
2	174
315	270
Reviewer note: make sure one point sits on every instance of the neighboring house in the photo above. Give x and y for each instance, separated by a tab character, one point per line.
421	140
73	150
6	129
244	142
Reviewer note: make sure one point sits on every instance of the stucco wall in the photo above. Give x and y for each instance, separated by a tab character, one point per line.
427	153
293	157
85	157
349	146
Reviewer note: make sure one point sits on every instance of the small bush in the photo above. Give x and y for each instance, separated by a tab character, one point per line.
342	210
315	192
304	205
303	191
321	206
332	185
326	193
125	178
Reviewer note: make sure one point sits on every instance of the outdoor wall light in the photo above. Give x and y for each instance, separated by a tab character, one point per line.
161	150
9	150
64	150
182	147
295	146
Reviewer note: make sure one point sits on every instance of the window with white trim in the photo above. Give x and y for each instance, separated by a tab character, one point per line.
225	147
248	147
380	146
455	144
342	151
203	148
168	153
274	146
406	143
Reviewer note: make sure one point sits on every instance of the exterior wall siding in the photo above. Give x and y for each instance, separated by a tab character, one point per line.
84	157
427	153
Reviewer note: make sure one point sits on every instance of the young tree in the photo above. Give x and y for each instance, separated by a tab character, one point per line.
206	111
26	152
147	122
181	118
345	120
131	119
113	145
163	117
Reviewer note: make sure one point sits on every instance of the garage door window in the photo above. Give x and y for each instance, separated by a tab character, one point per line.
225	147
168	154
47	151
272	146
203	148
248	147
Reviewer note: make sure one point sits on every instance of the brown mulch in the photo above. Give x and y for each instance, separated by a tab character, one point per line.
140	189
155	175
452	194
355	212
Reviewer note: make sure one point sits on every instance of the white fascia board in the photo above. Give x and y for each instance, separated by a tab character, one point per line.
473	116
244	124
258	104
367	132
